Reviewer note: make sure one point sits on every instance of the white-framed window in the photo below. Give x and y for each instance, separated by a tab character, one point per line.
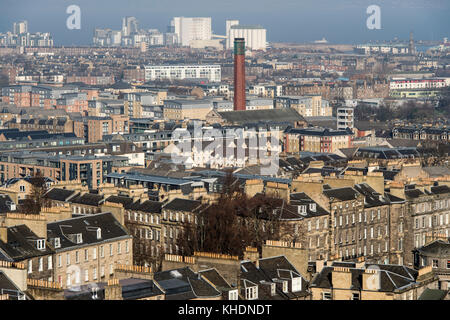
57	243
327	296
30	266
102	252
119	248
86	275
68	258
309	225
296	284
110	250
111	269
49	263
86	254
94	273
127	249
251	293
233	295
41	264
94	253
77	258
41	244
102	271
59	261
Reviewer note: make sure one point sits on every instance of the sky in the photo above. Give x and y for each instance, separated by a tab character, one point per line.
301	21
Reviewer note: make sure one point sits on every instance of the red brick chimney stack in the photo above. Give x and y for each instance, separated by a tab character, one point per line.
239	74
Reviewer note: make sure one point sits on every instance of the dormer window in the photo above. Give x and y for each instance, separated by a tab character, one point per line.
312	207
99	233
41	244
272	288
57	242
233	295
79	238
285	286
251	293
302	209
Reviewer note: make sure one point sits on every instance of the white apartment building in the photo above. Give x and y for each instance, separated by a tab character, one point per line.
255	36
410	83
188	29
180	72
229	24
345	118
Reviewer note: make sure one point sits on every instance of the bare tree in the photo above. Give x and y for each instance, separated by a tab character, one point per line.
36	200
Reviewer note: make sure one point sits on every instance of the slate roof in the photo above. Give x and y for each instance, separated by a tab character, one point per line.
433	294
89	199
372	198
269	115
271	270
392	277
436	248
342	194
22	244
216	279
182	205
4	201
183	283
148	206
437	171
132	289
87	226
59	194
414	193
127	202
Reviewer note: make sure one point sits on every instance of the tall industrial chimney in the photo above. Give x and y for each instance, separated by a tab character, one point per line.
239	74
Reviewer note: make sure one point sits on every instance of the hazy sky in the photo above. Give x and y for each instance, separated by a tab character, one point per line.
340	21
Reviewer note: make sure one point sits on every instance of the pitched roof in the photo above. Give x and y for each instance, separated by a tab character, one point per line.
343	194
59	194
436	248
22	244
89	199
87	226
269	115
433	294
183	283
182	205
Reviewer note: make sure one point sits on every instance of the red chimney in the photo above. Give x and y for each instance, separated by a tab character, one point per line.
239	74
